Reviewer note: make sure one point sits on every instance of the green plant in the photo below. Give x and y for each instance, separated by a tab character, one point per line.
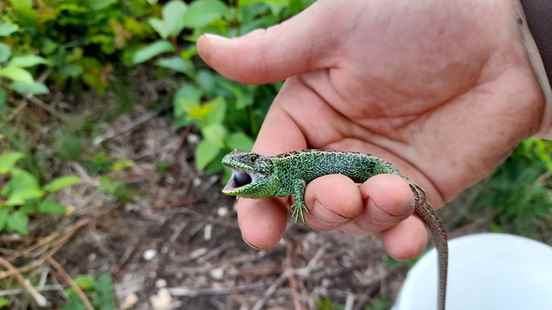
98	289
227	114
14	68
517	195
77	40
327	304
4	303
379	303
22	196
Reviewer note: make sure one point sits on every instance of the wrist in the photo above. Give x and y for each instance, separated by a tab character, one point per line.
534	20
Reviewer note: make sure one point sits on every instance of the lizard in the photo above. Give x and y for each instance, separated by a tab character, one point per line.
259	176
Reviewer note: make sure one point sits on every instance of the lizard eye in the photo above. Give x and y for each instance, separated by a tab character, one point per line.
253	158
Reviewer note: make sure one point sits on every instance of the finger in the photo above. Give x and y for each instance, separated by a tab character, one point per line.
388	200
406	240
263	221
333	200
263	56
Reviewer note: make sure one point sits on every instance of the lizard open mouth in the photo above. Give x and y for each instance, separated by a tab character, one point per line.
239	180
250	173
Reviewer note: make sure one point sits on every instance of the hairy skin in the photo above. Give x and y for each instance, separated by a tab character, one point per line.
443	89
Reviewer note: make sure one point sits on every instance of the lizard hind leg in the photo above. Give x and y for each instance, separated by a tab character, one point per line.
299	208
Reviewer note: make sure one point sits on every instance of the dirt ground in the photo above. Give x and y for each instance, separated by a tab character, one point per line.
178	244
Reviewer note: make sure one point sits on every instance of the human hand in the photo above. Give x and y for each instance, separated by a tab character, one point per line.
442	89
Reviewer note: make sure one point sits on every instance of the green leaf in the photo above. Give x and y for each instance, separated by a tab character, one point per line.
122	165
7	28
159	26
85	282
21	188
4	213
104	292
51	207
243	94
18	222
16	74
24	10
186	97
33	88
8	160
27	61
216	116
3	97
152	50
100	4
239	141
22	195
214	134
5	52
202	12
275	5
205	153
211	112
4	302
61	182
177	64
174	14
207	81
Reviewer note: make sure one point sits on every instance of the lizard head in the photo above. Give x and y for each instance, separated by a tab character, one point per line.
252	175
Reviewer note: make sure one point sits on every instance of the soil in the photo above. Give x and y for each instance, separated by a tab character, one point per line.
177	243
171	240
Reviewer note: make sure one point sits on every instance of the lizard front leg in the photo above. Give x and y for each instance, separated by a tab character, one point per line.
299	208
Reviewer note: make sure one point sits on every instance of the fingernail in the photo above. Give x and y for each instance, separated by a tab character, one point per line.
215	37
250	244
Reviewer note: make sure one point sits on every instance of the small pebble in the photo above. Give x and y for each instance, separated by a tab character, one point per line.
197	253
217	273
150	254
222	211
161	283
208	232
129	301
192	138
162	300
196	182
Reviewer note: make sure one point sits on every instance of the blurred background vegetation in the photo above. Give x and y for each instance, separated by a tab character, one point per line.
59	59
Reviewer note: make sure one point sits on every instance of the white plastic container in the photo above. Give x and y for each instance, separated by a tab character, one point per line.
486	271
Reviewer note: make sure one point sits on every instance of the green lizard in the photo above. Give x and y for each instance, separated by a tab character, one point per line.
258	176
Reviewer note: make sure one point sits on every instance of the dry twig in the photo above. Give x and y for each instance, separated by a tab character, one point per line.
190	292
38	298
69	281
55	246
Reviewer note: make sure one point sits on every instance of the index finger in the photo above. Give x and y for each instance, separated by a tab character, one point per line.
263	221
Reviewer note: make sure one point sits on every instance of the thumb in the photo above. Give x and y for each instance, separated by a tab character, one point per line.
268	55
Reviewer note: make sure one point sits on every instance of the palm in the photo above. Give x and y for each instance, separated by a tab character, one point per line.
444	104
442	89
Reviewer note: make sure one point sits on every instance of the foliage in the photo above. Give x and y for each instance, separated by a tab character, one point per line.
4	303
327	304
376	304
22	196
64	41
99	290
227	114
519	190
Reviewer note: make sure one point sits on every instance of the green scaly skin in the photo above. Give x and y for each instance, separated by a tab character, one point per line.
289	173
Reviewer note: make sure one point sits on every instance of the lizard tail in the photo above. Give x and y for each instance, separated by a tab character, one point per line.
425	211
